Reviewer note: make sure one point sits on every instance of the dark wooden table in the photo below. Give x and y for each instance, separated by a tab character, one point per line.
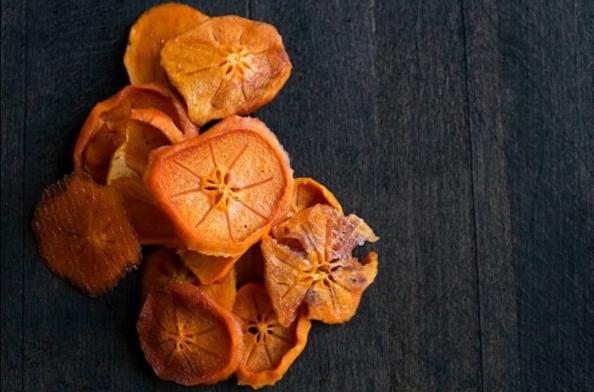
462	131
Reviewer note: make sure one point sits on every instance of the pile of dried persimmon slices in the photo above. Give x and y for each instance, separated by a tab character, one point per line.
240	256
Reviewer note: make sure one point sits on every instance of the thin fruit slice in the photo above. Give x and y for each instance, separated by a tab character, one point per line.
269	348
160	121
226	65
163	267
224	188
308	259
105	128
84	235
307	192
250	266
209	269
152	225
147	35
187	338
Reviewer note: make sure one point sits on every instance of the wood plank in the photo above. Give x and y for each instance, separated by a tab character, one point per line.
12	98
325	117
423	181
72	342
547	65
488	100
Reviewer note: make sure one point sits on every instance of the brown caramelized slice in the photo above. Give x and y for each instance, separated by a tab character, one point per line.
308	259
106	126
223	189
147	35
269	348
226	65
83	234
186	337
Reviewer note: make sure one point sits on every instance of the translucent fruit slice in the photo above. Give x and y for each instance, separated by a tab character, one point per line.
149	32
163	267
226	65
250	266
106	126
308	259
83	234
269	348
224	188
187	338
209	269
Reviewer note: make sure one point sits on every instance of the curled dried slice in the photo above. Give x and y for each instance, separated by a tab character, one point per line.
106	126
160	121
186	337
250	266
147	35
224	188
163	267
151	224
209	269
269	348
307	192
84	235
308	259
226	65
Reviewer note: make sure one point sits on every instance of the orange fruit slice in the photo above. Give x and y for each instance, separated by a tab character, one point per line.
106	126
227	65
187	338
250	266
308	259
147	35
209	269
224	188
307	192
163	267
83	234
269	348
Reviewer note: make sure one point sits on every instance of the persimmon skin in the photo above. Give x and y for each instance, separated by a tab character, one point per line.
104	130
170	315
168	178
227	65
148	34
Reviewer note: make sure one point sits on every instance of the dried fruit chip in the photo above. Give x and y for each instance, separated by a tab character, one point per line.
308	260
158	120
84	235
226	65
163	267
152	226
307	192
149	32
269	348
209	269
250	266
224	188
106	126
187	338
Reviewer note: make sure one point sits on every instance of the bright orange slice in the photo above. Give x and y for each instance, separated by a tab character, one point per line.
209	269
308	260
187	338
250	266
227	65
224	188
307	192
163	267
269	348
83	234
147	35
106	126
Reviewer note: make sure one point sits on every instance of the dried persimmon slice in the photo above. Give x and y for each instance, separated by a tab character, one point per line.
209	269
250	266
163	267
227	65
308	259
147	35
186	337
152	225
307	192
269	348
83	234
106	126
224	188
